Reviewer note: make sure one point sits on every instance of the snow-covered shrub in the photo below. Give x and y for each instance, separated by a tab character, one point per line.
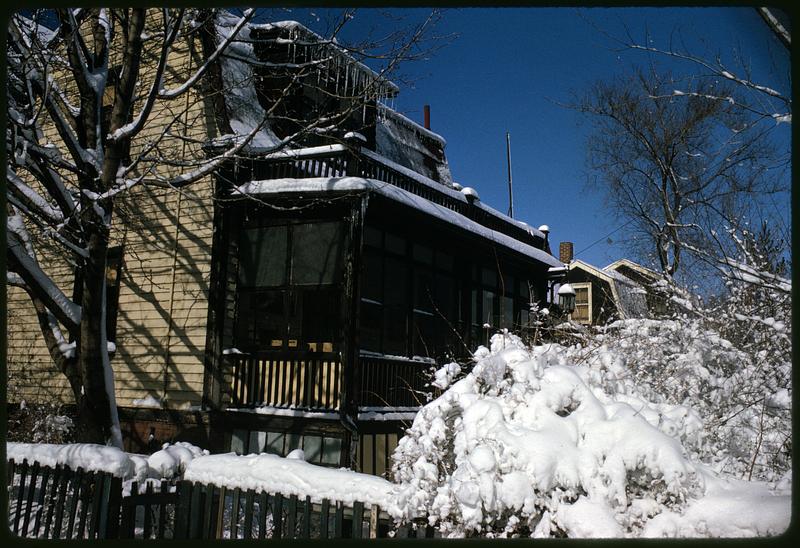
723	404
524	445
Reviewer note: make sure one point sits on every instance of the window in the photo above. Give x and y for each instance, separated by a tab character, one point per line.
317	449
583	303
288	295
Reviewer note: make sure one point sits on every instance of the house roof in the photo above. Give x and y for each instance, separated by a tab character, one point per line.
635	266
627	293
289	186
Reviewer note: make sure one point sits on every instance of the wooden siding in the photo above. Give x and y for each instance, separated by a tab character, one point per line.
166	240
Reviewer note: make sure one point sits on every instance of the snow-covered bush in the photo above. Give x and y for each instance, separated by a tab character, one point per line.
529	443
730	410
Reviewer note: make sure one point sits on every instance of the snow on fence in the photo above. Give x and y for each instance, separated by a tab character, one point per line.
59	502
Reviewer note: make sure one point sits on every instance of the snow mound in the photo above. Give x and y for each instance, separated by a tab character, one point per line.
274	474
89	456
172	459
529	444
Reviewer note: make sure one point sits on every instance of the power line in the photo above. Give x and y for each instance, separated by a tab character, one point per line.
603	238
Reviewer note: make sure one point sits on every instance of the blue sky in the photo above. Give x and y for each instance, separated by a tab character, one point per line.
507	70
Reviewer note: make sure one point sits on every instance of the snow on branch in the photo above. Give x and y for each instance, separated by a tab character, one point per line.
171	94
26	266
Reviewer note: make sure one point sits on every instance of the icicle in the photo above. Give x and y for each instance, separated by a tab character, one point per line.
336	68
346	79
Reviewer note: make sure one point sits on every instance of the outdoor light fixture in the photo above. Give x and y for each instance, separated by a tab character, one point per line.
566	298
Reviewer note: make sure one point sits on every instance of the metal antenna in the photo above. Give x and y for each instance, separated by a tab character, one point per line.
510	187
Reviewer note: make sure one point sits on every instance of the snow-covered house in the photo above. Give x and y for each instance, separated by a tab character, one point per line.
300	297
621	290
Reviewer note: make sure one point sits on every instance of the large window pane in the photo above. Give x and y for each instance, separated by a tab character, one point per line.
262	256
372	276
316	250
261	319
395	306
320	317
371	321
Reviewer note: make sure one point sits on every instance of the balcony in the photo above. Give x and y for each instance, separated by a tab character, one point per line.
314	381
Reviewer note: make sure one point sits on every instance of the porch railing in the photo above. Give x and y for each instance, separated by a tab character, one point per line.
313	381
303	380
393	382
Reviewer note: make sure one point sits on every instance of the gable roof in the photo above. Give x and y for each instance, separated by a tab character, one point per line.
627	293
647	272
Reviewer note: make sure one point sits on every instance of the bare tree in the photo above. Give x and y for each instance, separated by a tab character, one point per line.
675	164
89	120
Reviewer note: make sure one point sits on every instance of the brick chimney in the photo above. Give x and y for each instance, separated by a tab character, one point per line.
427	117
565	252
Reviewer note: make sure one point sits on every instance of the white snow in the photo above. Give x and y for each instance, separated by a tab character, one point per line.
355	184
172	459
529	440
148	401
273	474
286	412
89	456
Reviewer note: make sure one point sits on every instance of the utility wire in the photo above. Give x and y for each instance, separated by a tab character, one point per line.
603	238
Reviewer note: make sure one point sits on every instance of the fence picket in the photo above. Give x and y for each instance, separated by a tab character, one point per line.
235	514
29	501
209	501
40	500
195	517
62	491
373	520
338	521
307	518
148	520
162	509
323	518
262	515
220	512
23	472
84	500
51	499
277	516
358	518
77	479
113	508
248	514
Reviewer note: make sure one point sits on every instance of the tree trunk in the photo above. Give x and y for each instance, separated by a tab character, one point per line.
96	408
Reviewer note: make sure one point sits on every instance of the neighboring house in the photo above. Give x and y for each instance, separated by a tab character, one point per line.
621	290
299	298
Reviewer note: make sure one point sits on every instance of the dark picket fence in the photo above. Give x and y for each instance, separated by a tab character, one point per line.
61	503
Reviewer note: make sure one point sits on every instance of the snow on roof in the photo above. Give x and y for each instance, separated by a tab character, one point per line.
353	184
274	474
241	100
458	195
404	141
